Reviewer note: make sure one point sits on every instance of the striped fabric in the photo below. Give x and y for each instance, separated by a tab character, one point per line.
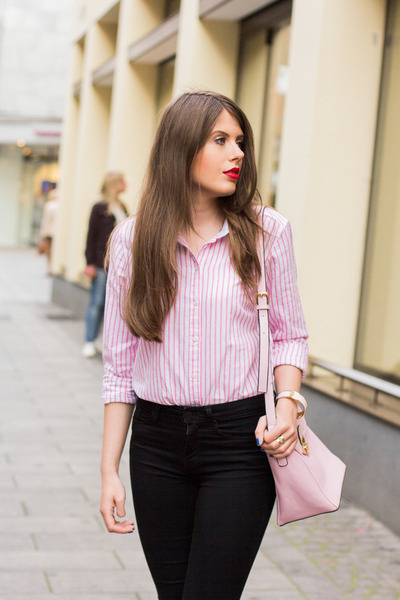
209	352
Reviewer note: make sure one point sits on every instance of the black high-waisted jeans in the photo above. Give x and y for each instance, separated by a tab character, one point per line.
203	494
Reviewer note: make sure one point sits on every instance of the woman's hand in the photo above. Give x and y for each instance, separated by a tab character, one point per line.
281	441
117	417
91	272
113	500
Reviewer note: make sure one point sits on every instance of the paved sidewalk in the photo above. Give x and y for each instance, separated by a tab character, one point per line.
52	541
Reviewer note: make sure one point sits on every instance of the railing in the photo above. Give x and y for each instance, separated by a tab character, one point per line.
369	381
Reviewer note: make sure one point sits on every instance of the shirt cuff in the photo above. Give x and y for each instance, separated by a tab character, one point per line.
292	353
116	389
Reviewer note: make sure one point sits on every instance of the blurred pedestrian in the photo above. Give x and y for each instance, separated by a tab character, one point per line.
47	227
105	215
181	342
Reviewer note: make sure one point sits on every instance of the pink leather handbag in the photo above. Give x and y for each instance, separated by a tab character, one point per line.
308	482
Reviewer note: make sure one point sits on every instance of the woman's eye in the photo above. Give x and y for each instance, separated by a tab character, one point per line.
220	140
240	145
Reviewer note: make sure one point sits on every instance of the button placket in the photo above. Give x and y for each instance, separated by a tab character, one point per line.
195	331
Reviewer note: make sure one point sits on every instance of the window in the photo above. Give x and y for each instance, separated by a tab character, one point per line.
378	346
262	84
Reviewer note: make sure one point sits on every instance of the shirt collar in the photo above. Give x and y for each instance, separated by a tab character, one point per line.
222	233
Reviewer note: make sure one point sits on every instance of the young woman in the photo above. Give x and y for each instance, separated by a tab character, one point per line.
105	215
181	343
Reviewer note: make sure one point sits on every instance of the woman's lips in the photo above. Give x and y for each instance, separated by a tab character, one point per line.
232	173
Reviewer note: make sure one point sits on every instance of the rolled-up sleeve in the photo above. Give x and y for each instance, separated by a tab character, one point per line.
119	345
288	328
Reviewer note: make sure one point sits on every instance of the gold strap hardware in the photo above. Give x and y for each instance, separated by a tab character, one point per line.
306	449
259	294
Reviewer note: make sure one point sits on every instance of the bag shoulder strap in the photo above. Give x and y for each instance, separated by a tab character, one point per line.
265	379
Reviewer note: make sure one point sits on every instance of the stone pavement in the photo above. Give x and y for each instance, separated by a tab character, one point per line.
52	541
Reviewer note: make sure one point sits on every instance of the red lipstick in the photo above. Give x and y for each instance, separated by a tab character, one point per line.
232	173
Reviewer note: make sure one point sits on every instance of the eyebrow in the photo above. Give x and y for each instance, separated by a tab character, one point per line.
241	136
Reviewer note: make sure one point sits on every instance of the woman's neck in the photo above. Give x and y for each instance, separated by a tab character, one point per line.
207	221
206	213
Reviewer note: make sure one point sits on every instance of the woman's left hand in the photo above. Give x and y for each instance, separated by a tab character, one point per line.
281	441
91	272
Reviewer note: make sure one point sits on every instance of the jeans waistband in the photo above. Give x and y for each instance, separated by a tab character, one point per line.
235	408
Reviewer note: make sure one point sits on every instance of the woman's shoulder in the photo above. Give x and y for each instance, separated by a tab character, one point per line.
99	204
99	209
273	221
123	233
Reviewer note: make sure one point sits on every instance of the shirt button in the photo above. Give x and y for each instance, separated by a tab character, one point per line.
194	375
195	339
195	302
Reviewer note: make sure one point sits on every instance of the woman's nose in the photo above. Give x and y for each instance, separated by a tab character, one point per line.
237	153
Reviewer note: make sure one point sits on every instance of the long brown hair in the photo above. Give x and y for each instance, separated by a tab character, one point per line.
166	207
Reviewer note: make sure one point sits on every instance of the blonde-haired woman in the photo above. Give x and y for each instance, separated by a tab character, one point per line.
105	215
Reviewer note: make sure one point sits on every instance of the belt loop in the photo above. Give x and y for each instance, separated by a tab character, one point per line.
209	412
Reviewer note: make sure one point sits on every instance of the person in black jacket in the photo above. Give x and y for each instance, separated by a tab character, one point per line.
105	215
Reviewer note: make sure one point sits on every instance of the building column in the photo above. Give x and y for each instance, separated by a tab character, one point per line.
88	160
62	237
133	107
326	160
202	43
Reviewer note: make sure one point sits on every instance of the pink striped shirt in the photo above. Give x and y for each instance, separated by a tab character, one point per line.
209	352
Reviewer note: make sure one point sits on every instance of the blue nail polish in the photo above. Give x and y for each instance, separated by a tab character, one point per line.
258	442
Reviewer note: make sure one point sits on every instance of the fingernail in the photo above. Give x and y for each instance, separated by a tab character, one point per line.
258	442
271	455
262	450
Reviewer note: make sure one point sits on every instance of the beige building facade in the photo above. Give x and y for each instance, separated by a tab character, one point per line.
317	79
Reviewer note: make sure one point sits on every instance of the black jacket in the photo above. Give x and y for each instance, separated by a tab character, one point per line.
101	225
